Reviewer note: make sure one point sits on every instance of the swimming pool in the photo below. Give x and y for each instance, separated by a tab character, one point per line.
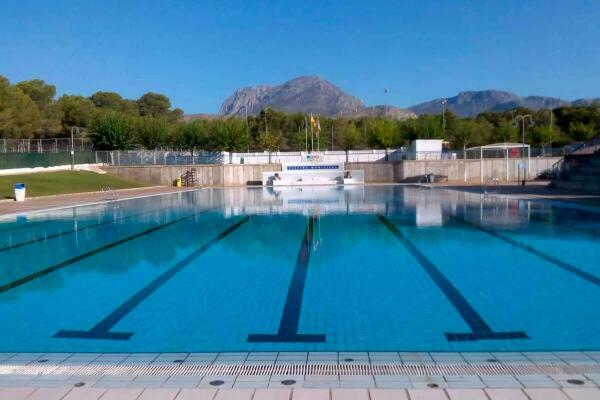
374	268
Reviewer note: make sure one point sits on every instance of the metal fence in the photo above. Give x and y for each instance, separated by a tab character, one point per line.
33	160
57	145
162	157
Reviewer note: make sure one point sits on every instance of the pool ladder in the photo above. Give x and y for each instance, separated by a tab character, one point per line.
491	186
109	194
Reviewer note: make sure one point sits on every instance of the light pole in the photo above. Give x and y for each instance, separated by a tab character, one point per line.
385	111
73	129
444	101
247	129
516	120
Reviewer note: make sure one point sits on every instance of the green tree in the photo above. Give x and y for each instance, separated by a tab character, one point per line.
228	135
41	93
269	141
581	132
543	135
192	136
76	111
19	115
465	132
350	138
154	105
505	132
152	132
383	133
112	131
108	101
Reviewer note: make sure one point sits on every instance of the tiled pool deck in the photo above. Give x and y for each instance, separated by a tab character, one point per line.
535	375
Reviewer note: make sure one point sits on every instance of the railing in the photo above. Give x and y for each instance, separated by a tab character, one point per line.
561	170
57	145
164	157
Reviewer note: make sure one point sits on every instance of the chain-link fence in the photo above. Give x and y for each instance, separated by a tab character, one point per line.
162	157
32	160
56	145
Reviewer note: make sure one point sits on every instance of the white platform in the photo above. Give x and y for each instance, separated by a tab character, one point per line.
313	173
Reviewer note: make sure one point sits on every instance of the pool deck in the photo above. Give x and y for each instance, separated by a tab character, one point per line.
9	206
301	375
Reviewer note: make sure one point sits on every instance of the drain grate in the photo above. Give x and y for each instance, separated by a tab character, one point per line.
298	370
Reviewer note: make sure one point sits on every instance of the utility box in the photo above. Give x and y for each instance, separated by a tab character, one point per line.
426	149
20	192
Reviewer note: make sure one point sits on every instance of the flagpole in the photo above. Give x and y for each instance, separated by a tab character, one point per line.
305	135
312	138
318	135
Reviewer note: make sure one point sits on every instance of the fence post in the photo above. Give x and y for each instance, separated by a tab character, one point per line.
96	155
119	158
56	145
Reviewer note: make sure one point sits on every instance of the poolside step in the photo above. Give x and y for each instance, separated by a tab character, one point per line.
590	186
582	177
590	169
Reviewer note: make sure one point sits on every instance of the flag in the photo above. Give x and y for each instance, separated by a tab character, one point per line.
315	124
318	126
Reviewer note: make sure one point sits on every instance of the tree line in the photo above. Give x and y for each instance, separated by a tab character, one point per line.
30	109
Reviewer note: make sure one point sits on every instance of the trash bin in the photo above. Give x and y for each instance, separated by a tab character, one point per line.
430	178
20	192
178	182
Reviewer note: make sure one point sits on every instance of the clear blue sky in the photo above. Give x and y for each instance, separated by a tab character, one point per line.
199	52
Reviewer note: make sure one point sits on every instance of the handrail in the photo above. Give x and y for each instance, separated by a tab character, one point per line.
595	141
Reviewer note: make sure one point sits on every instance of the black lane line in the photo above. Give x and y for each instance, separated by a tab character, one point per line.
546	257
290	318
27	225
84	228
594	233
480	330
102	329
71	261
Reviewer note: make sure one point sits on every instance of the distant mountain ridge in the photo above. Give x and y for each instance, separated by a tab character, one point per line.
306	94
472	103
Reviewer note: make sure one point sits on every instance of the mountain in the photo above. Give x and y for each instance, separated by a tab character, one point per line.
384	111
304	94
469	104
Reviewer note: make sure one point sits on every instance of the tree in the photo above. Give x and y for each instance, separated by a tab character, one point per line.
269	141
41	93
108	100
350	138
76	111
464	133
228	135
543	135
154	105
505	132
192	136
581	132
152	132
112	131
383	133
19	115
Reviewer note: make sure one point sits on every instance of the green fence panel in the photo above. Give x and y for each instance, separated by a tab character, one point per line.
31	160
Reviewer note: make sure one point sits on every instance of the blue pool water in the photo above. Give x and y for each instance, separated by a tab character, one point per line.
376	268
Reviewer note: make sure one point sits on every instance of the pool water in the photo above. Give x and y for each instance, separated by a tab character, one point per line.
374	268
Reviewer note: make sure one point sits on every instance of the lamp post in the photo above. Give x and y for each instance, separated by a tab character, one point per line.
444	101
247	129
73	130
516	120
385	110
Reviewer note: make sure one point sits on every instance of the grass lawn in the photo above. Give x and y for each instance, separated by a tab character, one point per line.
62	182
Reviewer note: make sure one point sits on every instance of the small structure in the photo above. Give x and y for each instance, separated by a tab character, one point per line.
509	150
426	149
